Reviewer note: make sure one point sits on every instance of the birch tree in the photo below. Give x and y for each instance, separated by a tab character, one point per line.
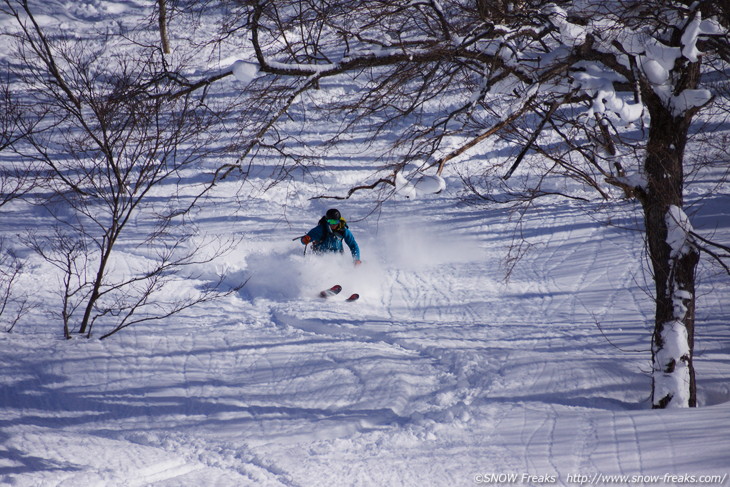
162	26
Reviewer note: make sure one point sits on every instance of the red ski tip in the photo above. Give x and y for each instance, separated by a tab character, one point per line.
353	297
331	291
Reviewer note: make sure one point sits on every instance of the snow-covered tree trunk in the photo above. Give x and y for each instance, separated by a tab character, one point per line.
672	255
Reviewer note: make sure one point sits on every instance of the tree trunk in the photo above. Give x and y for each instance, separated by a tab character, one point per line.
673	259
163	26
106	250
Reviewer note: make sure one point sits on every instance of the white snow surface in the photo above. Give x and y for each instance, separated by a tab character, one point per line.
441	374
444	373
674	338
245	71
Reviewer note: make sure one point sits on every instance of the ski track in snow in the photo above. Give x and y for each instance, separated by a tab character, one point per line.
440	372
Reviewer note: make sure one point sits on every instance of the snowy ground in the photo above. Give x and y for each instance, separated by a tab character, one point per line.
444	373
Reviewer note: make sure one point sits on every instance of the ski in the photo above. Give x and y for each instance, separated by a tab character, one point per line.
331	291
335	290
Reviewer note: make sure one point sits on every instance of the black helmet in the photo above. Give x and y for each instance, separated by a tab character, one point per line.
333	214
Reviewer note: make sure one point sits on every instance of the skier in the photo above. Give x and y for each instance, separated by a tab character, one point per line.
329	233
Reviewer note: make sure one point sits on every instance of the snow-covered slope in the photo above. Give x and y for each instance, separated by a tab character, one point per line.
444	373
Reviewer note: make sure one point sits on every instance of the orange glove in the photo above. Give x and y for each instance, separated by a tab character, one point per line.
358	262
306	239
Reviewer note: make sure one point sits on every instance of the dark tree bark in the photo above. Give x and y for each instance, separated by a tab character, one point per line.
673	266
674	272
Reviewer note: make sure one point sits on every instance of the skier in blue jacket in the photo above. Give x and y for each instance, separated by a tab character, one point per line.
329	233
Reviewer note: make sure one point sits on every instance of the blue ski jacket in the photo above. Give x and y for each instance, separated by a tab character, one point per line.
324	239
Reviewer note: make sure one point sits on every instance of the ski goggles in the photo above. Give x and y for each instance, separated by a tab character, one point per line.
333	222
